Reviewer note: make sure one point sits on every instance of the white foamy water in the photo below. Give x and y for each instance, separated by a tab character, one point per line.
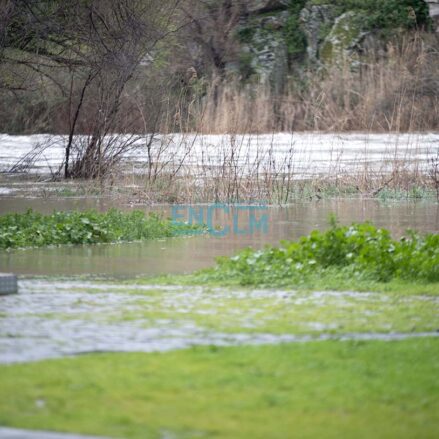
301	153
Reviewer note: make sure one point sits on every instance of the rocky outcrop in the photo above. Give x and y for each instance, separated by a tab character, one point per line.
263	6
342	44
278	35
315	19
263	47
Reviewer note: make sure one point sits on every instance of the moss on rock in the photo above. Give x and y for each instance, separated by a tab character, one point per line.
344	38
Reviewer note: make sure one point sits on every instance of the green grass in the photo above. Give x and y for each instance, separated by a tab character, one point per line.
32	229
312	390
327	190
327	280
414	193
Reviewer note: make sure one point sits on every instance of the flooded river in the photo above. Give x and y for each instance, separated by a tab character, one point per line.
313	153
310	153
52	317
186	254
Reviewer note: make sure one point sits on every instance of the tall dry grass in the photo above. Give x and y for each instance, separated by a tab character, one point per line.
395	88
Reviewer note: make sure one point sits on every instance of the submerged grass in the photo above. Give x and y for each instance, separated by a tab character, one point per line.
320	389
32	229
330	279
238	311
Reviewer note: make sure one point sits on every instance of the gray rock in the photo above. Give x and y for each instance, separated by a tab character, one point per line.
261	6
342	44
314	19
433	6
266	52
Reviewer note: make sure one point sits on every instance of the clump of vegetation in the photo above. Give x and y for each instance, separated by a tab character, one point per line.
385	15
356	252
32	229
295	38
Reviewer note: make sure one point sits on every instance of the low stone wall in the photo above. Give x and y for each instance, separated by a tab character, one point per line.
8	283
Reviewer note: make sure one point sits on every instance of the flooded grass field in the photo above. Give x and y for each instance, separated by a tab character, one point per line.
217	362
54	318
185	255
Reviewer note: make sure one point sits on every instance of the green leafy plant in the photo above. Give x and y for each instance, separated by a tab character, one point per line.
360	251
32	229
294	35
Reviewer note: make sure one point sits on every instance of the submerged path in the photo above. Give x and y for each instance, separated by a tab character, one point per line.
51	319
15	433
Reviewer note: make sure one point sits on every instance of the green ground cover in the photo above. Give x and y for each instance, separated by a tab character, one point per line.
319	389
32	229
359	256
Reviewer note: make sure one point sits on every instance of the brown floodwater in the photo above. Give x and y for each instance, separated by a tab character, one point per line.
186	254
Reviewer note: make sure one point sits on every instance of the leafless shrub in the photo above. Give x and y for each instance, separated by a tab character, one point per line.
98	45
434	173
28	161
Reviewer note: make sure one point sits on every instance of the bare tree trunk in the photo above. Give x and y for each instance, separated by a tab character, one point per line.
73	125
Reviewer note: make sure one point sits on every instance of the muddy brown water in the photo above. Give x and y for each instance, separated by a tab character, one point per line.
186	254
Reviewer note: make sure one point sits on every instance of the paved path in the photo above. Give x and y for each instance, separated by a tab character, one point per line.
15	433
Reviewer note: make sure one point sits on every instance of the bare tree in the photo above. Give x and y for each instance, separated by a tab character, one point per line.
210	35
99	44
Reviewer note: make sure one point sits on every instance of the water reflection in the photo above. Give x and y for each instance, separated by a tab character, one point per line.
183	255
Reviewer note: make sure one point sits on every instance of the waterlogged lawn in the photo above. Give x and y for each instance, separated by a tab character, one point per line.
32	229
68	317
280	311
233	310
311	390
